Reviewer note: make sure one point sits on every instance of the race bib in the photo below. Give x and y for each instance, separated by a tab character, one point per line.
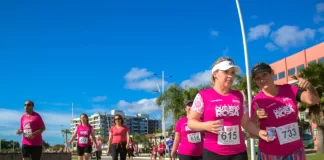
194	137
27	132
83	140
288	133
230	136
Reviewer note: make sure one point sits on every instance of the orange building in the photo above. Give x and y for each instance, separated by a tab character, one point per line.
285	68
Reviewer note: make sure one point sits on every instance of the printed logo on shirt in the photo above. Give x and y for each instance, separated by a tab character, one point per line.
236	101
283	111
229	110
84	133
285	99
216	100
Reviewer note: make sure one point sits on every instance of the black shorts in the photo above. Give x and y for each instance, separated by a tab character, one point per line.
82	150
186	157
209	155
33	152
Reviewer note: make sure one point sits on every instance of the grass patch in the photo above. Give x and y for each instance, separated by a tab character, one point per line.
315	157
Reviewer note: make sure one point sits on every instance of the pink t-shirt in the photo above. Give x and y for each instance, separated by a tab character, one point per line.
230	108
191	141
30	124
131	145
99	148
118	134
283	114
84	132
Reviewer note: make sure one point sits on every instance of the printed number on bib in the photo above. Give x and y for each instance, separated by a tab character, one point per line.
83	140
288	133
194	137
230	136
27	132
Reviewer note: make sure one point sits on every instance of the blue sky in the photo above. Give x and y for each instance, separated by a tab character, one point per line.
102	55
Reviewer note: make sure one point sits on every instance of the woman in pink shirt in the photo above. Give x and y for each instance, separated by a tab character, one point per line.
188	143
275	108
223	113
83	132
118	141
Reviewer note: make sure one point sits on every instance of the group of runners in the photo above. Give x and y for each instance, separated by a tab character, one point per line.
212	127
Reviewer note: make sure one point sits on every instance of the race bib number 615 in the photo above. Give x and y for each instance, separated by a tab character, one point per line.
230	136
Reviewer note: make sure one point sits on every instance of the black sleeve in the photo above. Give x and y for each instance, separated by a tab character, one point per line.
298	95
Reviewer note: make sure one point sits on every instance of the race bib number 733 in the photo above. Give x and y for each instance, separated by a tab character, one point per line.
288	133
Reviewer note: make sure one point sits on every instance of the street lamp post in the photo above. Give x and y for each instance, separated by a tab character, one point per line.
247	71
163	114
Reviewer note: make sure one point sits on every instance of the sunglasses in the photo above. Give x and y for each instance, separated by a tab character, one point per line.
28	105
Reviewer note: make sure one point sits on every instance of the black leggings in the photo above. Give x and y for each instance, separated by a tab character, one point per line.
186	157
208	155
118	149
98	155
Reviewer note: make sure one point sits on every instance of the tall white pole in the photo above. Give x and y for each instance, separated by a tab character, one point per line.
72	124
247	71
163	117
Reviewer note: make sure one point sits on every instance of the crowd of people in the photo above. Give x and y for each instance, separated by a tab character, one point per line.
212	127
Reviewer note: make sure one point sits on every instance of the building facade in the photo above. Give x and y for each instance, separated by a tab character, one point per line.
141	123
287	67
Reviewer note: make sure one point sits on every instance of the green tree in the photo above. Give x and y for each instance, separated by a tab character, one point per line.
314	73
241	85
174	98
65	133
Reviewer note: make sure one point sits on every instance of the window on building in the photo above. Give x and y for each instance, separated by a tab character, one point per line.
321	60
291	71
282	75
312	62
300	67
275	77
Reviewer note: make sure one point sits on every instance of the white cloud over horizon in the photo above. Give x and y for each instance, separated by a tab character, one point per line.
99	98
260	31
200	78
145	106
142	79
292	36
319	13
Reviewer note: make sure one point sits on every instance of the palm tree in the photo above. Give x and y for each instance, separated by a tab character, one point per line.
314	73
174	98
241	85
65	132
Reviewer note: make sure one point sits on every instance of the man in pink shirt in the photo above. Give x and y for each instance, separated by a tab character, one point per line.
32	127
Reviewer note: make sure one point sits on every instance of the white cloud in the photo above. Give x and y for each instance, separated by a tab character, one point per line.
197	79
137	73
291	36
145	106
214	33
321	30
99	98
270	46
259	31
319	17
141	79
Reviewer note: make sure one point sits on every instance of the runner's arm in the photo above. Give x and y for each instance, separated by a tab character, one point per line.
74	135
127	134
195	114
94	137
42	128
176	141
249	125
